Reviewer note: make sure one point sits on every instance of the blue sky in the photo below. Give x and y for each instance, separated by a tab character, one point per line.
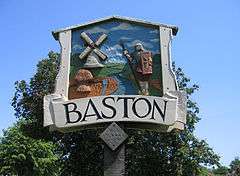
206	47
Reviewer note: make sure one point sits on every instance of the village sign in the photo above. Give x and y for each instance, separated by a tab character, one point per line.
115	70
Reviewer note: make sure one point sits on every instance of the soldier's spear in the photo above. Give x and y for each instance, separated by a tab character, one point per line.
130	64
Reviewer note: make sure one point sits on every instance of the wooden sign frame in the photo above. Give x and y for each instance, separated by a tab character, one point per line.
55	103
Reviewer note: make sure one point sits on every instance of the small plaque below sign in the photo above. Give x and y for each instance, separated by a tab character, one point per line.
113	136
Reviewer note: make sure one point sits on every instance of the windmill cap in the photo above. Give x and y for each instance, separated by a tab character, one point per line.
92	62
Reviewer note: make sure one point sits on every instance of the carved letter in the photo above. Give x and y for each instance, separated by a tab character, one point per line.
72	111
159	110
135	111
95	110
125	104
108	106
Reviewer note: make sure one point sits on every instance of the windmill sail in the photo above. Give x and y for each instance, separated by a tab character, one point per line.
100	54
100	39
93	47
86	38
85	53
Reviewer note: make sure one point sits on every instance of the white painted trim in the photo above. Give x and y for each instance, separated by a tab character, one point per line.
127	19
62	80
169	82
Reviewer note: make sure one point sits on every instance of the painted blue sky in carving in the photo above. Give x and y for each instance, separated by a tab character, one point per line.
206	47
129	34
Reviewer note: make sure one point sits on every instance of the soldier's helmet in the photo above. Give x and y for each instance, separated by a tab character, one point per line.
139	46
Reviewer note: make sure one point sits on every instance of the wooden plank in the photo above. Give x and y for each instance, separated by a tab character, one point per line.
114	161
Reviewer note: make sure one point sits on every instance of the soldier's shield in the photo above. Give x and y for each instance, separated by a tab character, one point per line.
146	62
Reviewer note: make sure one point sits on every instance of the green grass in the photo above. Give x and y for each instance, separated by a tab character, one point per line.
108	70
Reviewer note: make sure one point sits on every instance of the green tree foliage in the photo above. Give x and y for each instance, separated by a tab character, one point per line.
221	171
175	153
148	153
81	151
233	170
23	155
235	167
28	98
206	172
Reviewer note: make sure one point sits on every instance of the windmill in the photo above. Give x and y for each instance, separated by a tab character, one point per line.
92	51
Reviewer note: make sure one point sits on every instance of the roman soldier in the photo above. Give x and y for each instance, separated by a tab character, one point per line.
141	63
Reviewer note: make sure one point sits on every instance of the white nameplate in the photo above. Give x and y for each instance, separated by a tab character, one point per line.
126	108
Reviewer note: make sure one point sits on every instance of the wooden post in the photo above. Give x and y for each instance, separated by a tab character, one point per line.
114	150
114	161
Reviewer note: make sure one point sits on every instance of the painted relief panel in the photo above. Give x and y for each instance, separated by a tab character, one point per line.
115	58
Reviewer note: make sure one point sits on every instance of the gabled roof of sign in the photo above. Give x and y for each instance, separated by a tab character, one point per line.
126	19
